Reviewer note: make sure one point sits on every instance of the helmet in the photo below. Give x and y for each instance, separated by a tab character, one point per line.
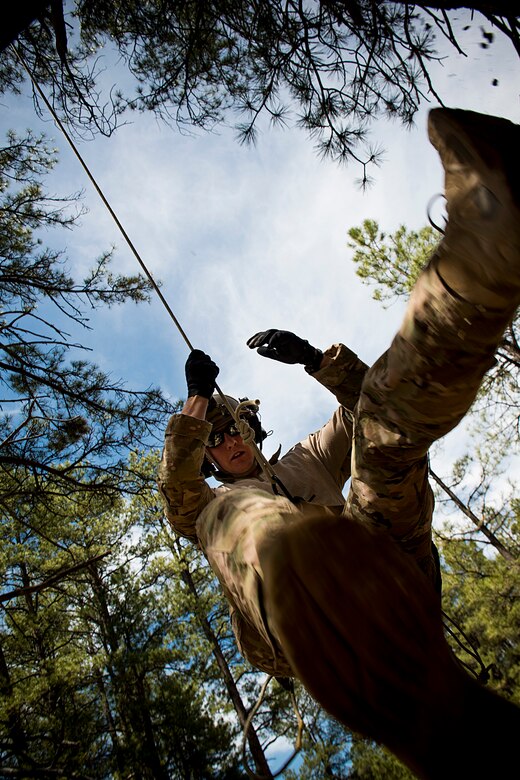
219	416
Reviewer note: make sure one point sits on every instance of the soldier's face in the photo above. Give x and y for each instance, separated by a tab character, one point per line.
233	456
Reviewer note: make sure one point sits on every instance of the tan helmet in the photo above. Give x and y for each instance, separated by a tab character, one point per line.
220	417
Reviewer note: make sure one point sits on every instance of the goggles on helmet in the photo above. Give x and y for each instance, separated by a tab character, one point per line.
216	438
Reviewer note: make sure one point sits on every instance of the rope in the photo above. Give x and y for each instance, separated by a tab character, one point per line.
102	196
471	649
260	458
297	745
247	434
248	437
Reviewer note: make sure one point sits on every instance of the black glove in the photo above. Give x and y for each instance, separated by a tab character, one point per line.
201	373
286	347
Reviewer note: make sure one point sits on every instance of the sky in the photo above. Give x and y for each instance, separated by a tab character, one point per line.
247	238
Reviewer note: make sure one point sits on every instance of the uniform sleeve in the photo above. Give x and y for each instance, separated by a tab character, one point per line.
182	487
343	376
331	445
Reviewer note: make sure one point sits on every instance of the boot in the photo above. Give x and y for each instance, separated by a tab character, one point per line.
479	257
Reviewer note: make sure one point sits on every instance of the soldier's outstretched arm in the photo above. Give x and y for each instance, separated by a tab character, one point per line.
182	486
337	368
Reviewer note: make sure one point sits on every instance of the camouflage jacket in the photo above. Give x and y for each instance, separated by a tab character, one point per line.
314	470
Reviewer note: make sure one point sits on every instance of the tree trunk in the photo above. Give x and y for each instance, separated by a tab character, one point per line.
14	730
132	701
16	17
480	525
257	752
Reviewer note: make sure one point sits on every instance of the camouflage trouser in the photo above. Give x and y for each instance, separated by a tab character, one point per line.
414	394
358	622
231	529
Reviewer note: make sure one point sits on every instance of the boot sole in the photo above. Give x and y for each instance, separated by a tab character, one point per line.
487	144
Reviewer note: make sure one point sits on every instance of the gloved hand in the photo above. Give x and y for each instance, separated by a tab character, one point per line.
286	347
201	373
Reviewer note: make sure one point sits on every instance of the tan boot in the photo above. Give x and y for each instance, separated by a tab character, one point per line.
479	257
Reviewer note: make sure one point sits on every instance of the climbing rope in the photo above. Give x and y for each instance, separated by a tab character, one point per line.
297	745
264	464
470	648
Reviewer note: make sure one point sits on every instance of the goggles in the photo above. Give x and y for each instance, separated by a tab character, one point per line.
216	438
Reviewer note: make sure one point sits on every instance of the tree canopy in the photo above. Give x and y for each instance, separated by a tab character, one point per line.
65	423
331	67
99	677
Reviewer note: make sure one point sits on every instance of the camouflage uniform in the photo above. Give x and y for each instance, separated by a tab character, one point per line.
230	521
342	596
414	394
358	622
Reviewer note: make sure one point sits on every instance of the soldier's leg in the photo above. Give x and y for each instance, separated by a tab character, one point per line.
230	529
361	627
416	392
420	389
367	640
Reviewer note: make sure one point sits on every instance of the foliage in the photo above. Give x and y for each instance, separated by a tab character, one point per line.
331	751
490	509
481	594
372	762
330	67
498	404
63	418
390	262
95	682
326	746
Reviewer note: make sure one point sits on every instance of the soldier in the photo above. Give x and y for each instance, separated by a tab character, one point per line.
344	593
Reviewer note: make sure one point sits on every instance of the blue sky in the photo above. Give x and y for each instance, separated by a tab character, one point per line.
248	238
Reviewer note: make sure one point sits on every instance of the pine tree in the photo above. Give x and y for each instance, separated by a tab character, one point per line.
63	419
94	683
481	594
331	67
